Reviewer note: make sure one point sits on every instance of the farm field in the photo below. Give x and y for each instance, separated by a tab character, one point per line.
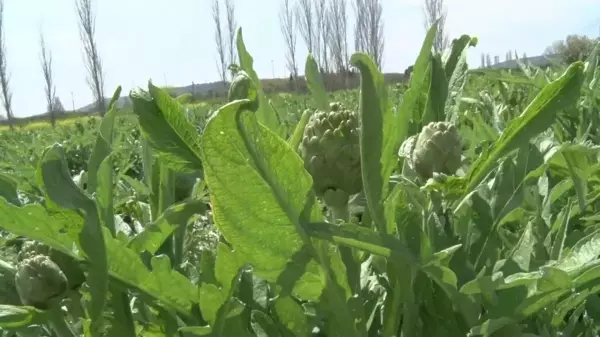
462	203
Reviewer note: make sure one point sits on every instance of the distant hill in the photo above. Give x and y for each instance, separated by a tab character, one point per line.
333	82
219	89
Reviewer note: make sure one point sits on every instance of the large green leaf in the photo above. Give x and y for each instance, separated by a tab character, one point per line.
378	137
164	125
265	114
63	191
537	117
260	192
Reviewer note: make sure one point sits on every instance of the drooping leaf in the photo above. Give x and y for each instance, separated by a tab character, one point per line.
61	189
158	231
452	63
164	125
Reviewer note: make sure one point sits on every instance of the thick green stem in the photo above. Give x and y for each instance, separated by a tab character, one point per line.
58	323
342	212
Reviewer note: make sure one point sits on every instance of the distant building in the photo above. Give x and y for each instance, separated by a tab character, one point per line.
541	61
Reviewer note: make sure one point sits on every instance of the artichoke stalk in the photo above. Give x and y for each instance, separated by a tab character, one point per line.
330	149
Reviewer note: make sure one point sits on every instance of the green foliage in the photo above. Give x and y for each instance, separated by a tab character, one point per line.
204	219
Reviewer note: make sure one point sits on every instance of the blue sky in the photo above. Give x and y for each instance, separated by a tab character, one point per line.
171	42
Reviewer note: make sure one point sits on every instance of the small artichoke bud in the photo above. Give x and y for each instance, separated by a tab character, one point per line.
331	150
39	281
437	149
242	87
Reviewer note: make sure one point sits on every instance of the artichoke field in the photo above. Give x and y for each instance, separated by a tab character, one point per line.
465	205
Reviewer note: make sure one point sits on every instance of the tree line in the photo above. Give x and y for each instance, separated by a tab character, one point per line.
321	24
95	74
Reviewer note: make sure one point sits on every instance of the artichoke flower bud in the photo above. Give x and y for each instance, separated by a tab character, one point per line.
331	152
67	264
40	281
437	149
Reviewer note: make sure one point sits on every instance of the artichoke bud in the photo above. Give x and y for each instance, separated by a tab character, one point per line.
242	87
437	149
40	281
332	155
67	264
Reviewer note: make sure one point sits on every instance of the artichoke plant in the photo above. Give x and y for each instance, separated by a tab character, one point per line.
437	149
40	281
331	152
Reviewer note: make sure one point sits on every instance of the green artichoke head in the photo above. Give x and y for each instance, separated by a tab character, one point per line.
437	149
331	151
40	281
67	264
